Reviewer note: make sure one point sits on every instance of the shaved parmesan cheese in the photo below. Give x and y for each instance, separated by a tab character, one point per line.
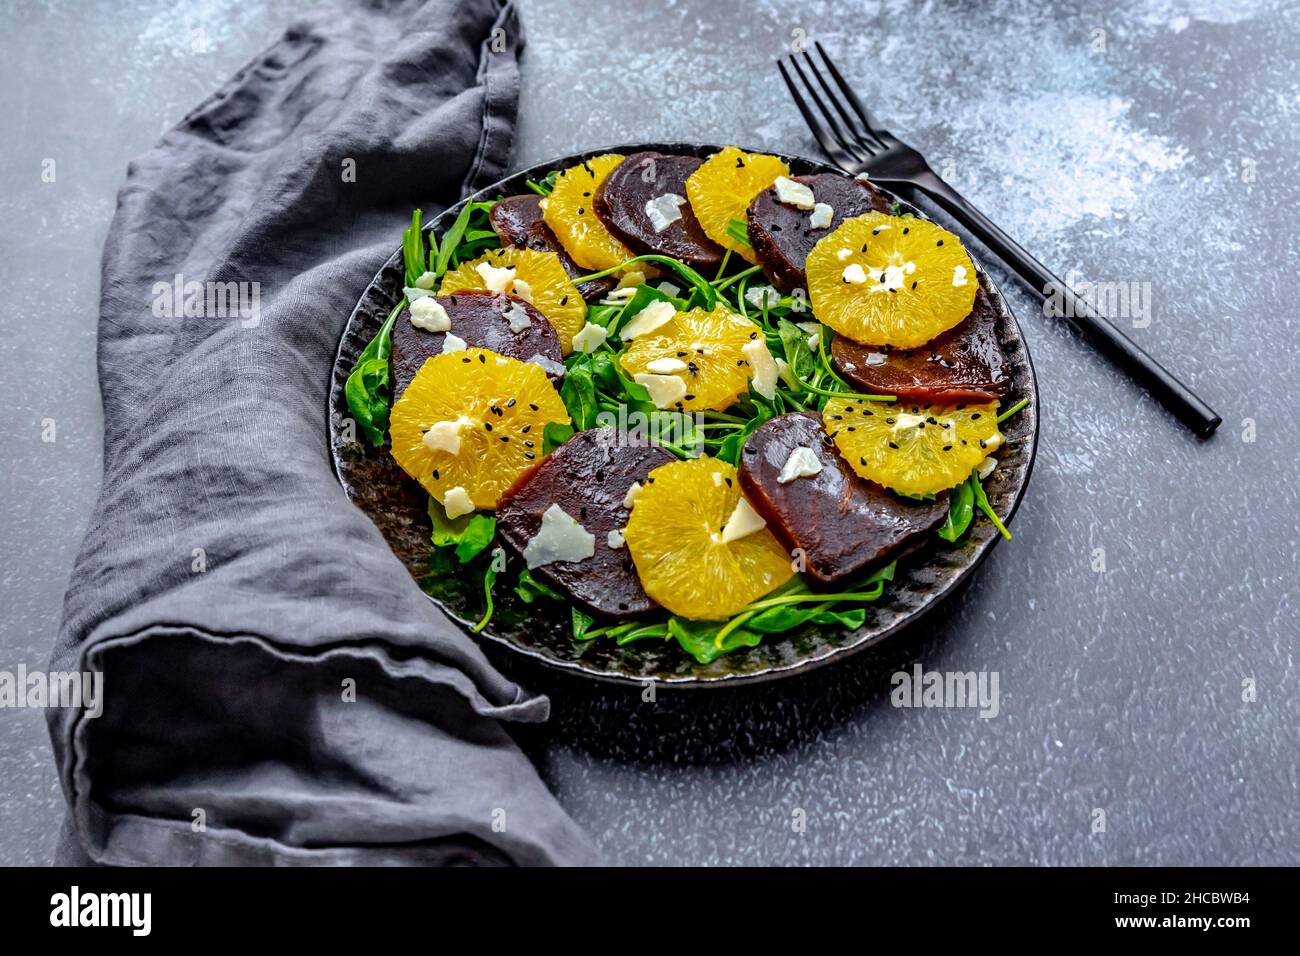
666	366
550	366
619	296
783	372
415	292
987	467
821	217
814	330
854	273
894	277
765	371
445	436
452	343
802	463
668	289
743	522
876	358
959	275
522	289
497	280
717	479
794	194
428	314
560	538
426	280
589	339
457	502
614	539
518	318
844	253
761	295
663	211
664	390
654	315
994	442
633	490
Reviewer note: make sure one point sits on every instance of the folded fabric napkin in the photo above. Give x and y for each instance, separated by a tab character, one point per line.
277	689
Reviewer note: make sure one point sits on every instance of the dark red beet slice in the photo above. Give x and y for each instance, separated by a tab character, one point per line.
518	221
478	317
963	364
588	476
621	200
781	236
842	522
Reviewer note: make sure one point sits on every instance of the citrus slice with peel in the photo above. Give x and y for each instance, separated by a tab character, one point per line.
704	350
890	280
538	277
912	449
473	420
722	189
676	540
570	212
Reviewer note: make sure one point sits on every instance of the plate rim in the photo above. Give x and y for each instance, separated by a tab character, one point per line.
828	655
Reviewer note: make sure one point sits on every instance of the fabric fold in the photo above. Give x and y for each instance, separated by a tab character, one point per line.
277	689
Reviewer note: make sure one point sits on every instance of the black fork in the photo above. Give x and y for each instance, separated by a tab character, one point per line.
857	143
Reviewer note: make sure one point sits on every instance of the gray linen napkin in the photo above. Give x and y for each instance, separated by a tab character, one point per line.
233	598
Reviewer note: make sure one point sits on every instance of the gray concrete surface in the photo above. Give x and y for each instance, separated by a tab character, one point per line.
1153	143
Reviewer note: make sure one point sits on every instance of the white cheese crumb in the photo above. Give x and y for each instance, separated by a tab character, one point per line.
560	538
550	366
445	436
876	358
614	539
959	275
844	253
759	295
894	277
415	292
452	343
426	280
522	289
665	390
794	194
456	501
743	522
663	211
783	371
854	273
589	338
633	490
666	366
668	289
822	215
428	314
802	463
994	442
987	467
518	318
497	280
765	370
619	296
717	479
860	177
814	330
654	315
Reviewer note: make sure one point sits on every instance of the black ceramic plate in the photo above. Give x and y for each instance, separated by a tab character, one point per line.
541	631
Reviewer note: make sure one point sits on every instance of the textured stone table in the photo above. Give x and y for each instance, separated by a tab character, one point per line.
1152	144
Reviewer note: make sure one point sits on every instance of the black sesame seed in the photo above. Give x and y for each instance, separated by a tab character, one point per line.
487	425
939	243
947	447
435	474
975	416
565	299
913	284
893	446
906	230
728	481
482	358
526	429
529	444
889	421
510	404
532	406
581	211
505	438
529	455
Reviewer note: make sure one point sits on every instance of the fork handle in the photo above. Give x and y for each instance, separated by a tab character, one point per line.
1099	330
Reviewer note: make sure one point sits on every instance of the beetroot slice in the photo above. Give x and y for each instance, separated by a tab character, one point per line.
621	200
518	221
965	363
842	523
478	317
588	476
781	236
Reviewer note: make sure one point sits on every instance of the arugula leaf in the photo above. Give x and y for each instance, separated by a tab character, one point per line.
489	578
451	239
961	508
413	248
478	535
530	588
555	434
729	450
982	502
367	386
794	342
738	231
547	184
581	623
579	394
643	296
698	638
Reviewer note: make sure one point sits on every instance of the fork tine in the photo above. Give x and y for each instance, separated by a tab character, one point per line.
858	150
839	156
852	97
866	139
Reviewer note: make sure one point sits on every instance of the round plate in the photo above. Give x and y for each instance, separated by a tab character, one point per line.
541	631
